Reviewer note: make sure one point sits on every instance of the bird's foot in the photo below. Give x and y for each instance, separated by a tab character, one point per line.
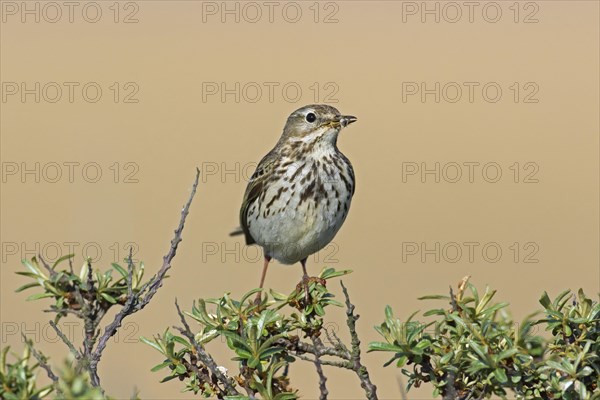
309	279
258	300
305	282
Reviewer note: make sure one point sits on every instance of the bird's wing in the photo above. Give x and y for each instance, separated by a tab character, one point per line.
255	187
350	171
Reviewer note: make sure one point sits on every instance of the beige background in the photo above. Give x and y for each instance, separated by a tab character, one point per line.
367	55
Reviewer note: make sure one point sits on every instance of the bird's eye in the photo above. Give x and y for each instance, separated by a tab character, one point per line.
311	117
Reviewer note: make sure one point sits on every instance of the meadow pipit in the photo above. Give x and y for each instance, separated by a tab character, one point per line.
300	194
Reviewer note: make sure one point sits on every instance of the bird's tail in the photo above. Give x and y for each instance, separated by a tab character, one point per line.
237	231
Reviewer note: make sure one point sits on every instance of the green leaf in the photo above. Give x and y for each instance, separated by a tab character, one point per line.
437	311
561	299
260	325
401	361
40	394
200	314
168	378
421	346
481	352
152	344
447	357
269	352
244	354
180	369
27	286
507	354
235	341
181	341
39	296
545	301
434	297
380	346
160	366
207	336
332	302
397	356
473	290
30	275
61	259
389	314
51	288
239	397
84	272
500	375
329	273
487	297
278	296
250	293
319	310
493	309
458	320
582	390
270	341
32	266
108	298
120	270
284	396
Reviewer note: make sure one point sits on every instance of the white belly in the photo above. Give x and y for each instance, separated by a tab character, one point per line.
291	229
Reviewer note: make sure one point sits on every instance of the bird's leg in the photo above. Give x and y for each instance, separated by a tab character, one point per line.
305	279
305	276
262	278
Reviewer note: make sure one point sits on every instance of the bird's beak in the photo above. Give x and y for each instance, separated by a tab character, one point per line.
346	120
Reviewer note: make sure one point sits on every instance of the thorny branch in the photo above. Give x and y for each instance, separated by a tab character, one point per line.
300	348
344	357
66	341
136	302
41	359
359	368
319	367
90	357
206	358
335	354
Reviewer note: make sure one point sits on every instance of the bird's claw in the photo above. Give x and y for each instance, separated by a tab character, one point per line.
258	300
305	282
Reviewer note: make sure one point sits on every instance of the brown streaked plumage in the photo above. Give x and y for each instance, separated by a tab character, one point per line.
300	194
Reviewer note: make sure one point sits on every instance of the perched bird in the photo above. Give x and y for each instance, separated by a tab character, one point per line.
300	194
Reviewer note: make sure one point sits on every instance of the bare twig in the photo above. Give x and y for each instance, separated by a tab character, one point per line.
90	276
453	300
71	265
449	389
64	311
41	359
337	343
158	279
134	303
401	387
48	268
129	279
203	376
483	391
319	367
363	375
337	364
66	341
204	357
299	347
462	285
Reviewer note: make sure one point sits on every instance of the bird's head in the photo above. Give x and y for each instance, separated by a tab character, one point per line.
315	123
